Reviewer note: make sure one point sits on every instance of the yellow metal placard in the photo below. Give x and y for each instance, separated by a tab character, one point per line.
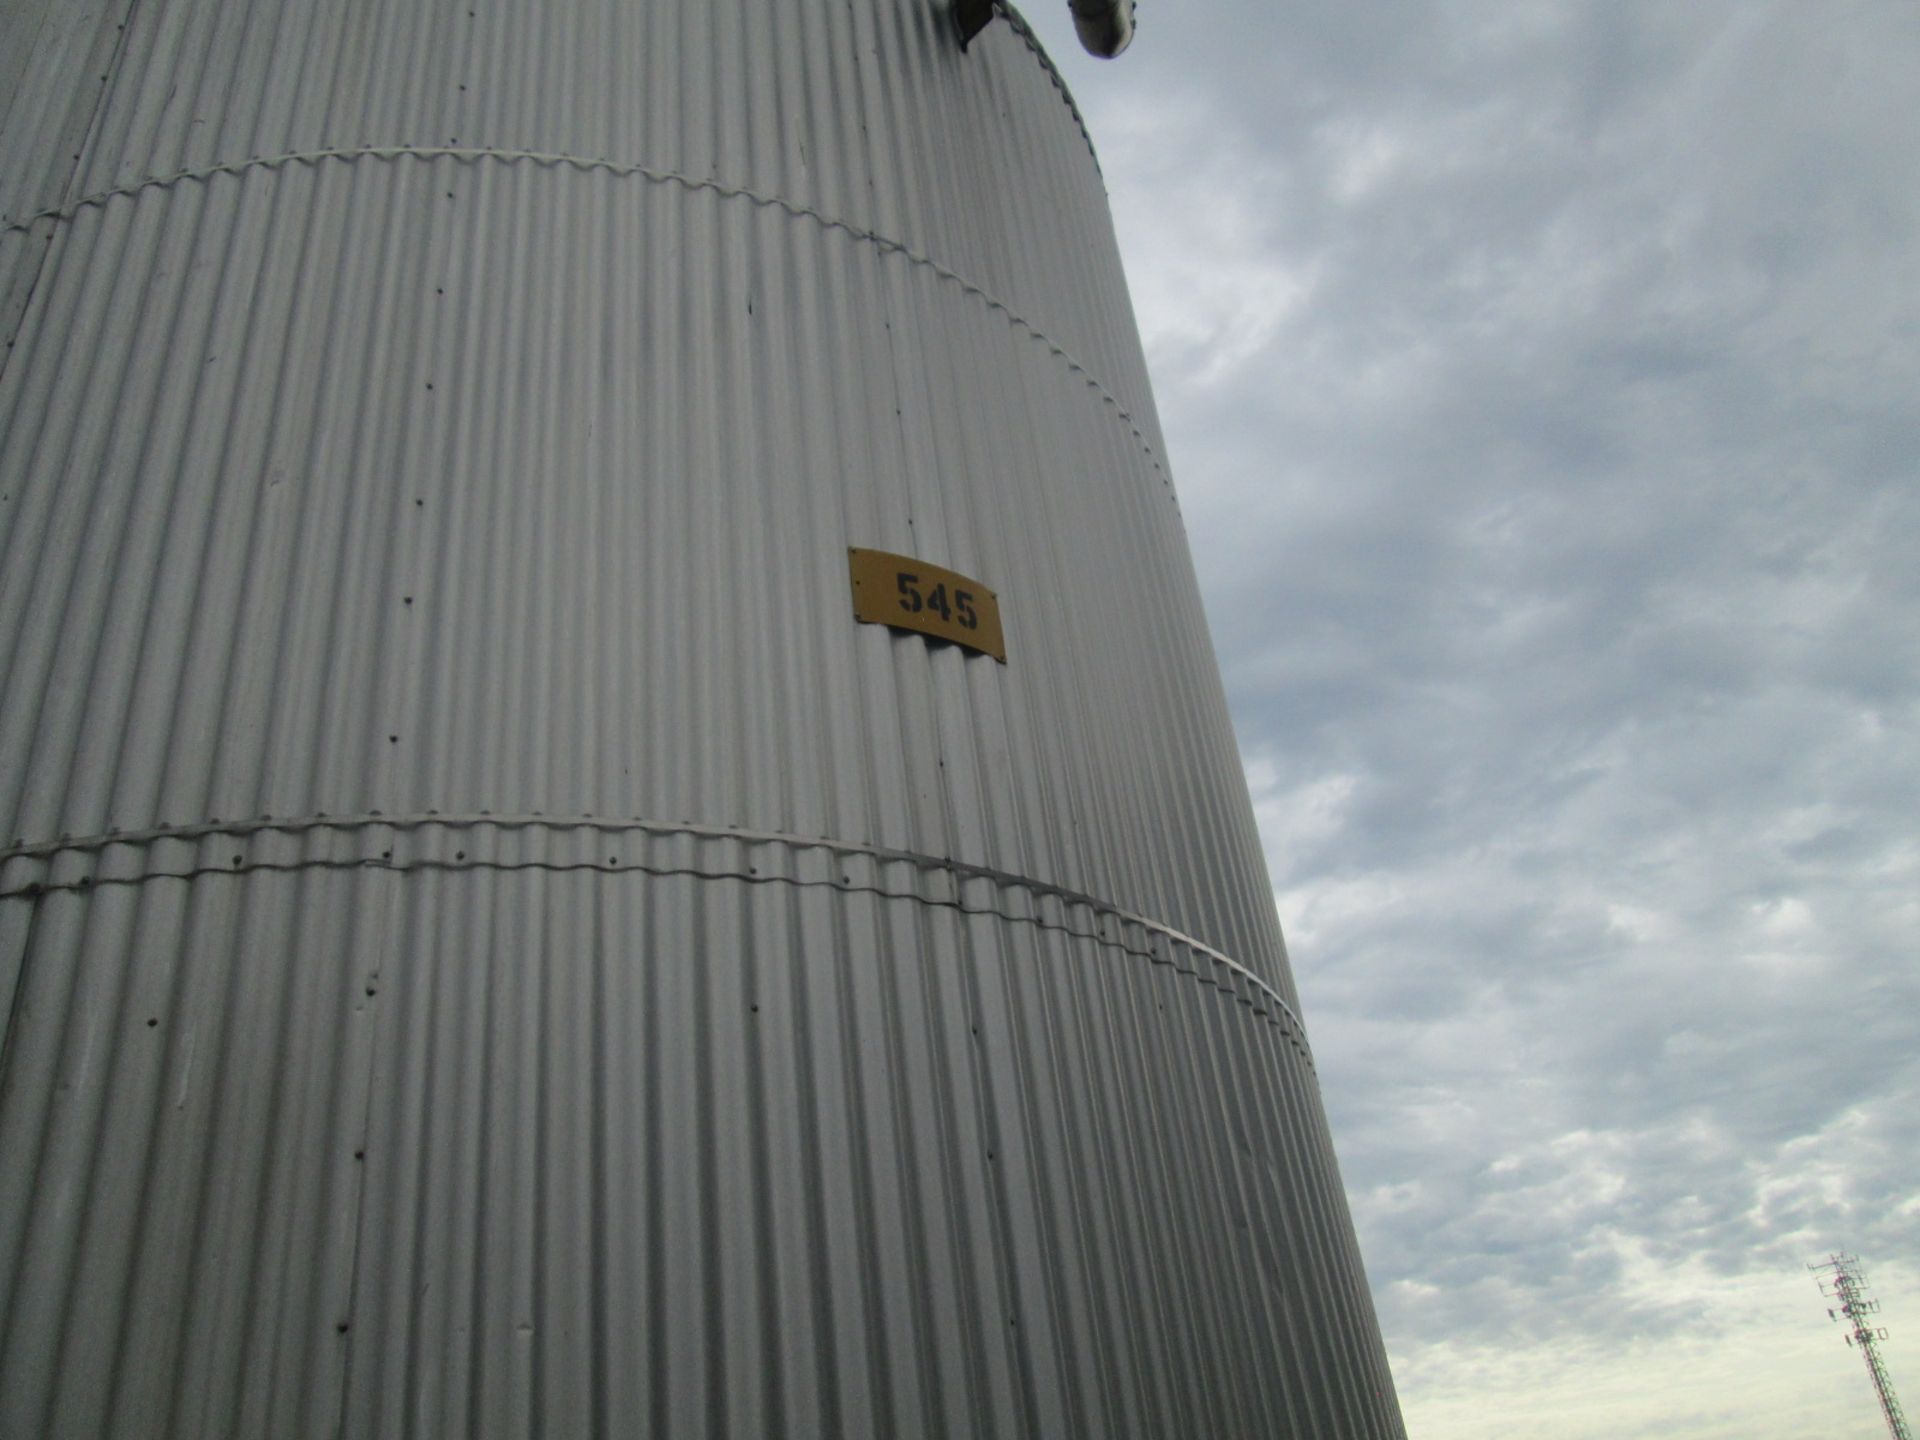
910	594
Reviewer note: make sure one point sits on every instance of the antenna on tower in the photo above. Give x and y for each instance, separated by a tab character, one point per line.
1843	1281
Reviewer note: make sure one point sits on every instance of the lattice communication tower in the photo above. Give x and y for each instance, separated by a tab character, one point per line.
1845	1283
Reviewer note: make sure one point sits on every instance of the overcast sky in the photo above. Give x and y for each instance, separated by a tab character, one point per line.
1542	384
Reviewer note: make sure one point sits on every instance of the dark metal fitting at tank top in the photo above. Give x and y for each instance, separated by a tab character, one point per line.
1105	26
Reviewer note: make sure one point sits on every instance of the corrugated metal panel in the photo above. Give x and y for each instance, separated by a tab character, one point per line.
434	721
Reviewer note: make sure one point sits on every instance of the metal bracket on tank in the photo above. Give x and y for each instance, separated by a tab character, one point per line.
970	17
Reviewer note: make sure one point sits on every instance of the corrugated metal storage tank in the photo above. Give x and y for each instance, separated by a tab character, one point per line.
489	944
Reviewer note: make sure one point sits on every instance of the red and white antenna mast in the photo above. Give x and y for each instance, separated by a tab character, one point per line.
1845	1283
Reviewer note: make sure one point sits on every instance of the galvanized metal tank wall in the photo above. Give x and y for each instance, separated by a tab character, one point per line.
489	944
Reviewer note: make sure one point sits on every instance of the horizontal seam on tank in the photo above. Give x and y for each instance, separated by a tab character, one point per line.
964	870
620	170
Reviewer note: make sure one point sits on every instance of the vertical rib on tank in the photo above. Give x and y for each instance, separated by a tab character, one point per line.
489	944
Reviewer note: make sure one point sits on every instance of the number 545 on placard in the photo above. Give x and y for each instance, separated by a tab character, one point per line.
910	594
